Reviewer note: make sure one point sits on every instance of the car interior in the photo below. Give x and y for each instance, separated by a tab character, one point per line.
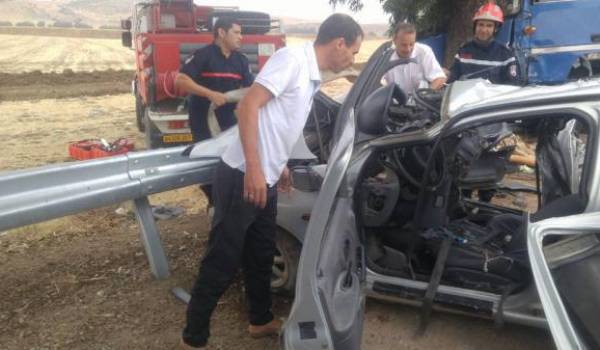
460	201
469	190
464	188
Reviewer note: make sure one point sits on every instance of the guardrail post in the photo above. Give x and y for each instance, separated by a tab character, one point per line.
151	238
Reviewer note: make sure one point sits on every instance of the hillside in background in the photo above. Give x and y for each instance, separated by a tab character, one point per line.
97	13
94	13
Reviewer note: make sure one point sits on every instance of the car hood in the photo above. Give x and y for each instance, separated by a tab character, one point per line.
467	95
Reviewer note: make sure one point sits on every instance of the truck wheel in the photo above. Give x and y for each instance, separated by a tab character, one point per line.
285	264
151	133
140	111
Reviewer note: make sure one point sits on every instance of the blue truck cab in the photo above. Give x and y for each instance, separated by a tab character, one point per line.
554	40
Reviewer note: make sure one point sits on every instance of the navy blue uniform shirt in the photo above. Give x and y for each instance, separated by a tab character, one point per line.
210	68
494	62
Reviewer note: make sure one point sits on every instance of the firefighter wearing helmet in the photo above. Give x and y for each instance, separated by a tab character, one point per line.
484	57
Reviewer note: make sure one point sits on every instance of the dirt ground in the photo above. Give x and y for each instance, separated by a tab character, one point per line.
27	53
83	282
37	85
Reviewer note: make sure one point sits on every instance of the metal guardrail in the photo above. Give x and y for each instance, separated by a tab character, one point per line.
40	194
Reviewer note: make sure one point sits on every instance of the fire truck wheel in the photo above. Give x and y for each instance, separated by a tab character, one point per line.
151	133
140	111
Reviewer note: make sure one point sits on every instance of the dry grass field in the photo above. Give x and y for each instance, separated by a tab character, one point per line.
32	66
28	53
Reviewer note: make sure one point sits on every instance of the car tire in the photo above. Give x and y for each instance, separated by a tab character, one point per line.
151	133
140	111
285	264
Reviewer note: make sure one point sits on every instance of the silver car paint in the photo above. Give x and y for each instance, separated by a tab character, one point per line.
563	332
500	97
307	306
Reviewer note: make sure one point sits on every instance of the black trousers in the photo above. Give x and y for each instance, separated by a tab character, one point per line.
242	235
200	132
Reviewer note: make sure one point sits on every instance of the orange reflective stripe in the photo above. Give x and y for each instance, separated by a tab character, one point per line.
221	75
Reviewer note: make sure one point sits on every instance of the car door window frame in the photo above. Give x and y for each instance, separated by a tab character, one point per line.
463	123
563	332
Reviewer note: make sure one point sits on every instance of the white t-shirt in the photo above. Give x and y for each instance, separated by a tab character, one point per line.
292	76
409	76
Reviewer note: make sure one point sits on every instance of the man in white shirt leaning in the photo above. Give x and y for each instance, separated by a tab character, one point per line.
271	118
424	66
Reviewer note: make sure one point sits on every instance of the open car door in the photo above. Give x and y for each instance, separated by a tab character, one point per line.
567	276
329	301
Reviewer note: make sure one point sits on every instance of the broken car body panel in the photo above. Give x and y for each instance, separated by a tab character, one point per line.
328	238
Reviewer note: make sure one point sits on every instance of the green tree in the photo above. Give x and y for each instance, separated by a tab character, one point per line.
430	17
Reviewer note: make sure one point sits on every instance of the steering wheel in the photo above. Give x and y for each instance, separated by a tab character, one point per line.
373	115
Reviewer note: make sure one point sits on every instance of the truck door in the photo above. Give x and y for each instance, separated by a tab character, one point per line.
563	37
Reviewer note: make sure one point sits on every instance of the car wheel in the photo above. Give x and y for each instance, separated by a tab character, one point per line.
285	264
140	111
151	133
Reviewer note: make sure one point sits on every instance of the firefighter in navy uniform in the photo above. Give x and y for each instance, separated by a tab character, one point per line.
208	74
212	71
484	57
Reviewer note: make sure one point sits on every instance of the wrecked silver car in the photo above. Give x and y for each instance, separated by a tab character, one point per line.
416	199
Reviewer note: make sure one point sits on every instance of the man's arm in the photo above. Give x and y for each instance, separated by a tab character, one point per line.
255	186
187	84
438	83
433	71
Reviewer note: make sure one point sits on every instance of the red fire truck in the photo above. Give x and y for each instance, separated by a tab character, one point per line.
163	34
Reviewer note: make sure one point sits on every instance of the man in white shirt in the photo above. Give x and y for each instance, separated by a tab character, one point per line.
423	68
271	119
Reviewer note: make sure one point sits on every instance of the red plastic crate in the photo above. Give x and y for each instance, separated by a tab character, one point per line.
82	150
93	148
99	152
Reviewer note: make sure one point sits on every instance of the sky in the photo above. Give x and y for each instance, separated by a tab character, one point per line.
314	10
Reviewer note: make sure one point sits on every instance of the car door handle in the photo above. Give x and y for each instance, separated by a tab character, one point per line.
348	277
595	38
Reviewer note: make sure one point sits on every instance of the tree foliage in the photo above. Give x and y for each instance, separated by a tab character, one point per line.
429	16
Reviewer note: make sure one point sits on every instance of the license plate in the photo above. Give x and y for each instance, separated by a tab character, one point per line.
177	138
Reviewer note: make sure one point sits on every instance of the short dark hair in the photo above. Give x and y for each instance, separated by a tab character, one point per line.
404	28
224	23
336	26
